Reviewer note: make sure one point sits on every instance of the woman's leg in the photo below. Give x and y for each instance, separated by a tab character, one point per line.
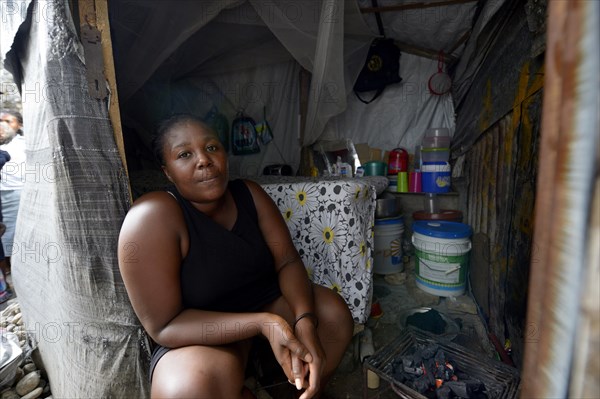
209	372
335	327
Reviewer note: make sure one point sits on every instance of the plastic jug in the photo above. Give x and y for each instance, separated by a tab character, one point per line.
397	161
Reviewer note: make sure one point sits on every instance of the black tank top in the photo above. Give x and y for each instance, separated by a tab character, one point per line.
227	270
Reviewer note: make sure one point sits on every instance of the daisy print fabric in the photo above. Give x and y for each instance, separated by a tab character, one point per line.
331	223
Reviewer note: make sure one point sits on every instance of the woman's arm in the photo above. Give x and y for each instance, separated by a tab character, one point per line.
293	278
295	286
152	242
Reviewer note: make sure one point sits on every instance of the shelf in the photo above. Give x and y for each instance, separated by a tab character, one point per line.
449	194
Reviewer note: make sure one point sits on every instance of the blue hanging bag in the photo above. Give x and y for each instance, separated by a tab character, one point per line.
244	139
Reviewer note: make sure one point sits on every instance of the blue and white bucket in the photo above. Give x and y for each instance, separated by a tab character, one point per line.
435	177
441	256
392	183
387	258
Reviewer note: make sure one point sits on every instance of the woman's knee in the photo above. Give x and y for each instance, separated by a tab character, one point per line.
198	372
335	319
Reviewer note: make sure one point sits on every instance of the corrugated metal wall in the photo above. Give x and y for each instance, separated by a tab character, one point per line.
501	170
500	120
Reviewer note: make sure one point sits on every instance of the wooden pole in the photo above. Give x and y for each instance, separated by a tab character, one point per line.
95	14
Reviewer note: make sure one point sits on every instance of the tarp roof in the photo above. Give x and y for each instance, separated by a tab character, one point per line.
187	56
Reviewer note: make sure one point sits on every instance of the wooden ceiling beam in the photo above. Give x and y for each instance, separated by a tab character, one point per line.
424	52
460	41
414	6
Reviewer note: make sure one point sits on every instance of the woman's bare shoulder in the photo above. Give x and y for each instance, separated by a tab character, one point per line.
254	187
155	201
157	207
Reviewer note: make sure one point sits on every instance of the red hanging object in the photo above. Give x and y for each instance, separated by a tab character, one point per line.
440	82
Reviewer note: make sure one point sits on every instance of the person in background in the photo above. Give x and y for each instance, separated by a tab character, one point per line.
4	289
14	120
210	269
11	178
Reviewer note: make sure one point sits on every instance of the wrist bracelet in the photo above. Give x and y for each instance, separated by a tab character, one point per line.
307	314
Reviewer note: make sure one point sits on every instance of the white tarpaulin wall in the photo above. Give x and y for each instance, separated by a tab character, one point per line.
402	114
247	55
189	55
238	57
65	272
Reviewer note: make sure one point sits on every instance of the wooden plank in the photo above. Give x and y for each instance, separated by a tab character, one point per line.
414	6
460	41
306	159
501	165
95	13
424	52
87	12
562	183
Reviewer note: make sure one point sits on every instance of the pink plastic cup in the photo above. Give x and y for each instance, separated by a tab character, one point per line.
414	182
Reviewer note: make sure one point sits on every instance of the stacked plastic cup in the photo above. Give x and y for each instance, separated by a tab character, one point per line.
435	154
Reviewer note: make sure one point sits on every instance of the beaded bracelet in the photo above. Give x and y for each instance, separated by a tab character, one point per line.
307	314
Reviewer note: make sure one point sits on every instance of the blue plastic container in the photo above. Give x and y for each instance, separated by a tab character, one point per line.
435	177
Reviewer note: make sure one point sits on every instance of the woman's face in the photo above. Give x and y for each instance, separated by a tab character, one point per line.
196	162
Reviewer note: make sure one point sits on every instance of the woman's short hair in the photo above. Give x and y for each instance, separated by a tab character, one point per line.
158	143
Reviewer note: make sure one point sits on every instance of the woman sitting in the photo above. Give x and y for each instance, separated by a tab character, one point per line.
209	265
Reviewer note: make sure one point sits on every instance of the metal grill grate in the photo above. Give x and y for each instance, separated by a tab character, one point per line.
500	380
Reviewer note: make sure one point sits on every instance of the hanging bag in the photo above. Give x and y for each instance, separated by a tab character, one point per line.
263	129
243	135
382	67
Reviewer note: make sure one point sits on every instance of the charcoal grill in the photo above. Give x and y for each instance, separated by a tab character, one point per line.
501	381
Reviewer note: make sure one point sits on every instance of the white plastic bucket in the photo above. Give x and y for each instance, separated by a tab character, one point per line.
441	256
388	245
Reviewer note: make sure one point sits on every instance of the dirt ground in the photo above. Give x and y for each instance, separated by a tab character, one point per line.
398	297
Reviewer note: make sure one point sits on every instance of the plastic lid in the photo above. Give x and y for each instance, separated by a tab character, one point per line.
437	132
450	215
393	220
442	229
435	142
435	167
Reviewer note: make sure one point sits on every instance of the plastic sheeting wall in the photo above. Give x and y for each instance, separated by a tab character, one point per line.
274	87
65	269
237	55
159	45
401	115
